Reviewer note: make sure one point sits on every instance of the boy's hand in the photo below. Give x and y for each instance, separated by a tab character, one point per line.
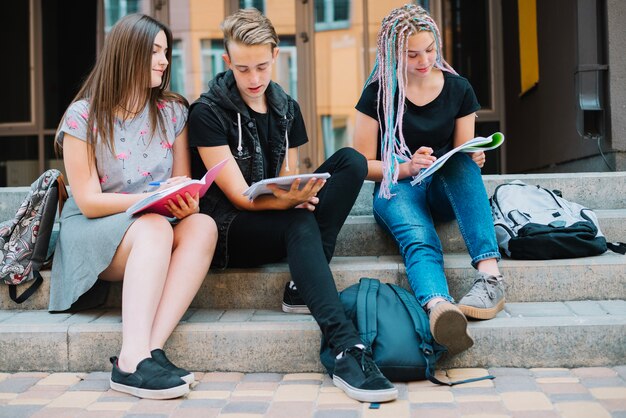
295	197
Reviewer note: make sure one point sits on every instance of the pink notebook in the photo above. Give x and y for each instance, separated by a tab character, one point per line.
155	203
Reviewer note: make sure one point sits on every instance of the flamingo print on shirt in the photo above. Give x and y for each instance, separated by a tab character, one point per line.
142	135
167	147
123	156
145	174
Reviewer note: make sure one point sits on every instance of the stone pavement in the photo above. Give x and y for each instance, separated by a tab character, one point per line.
592	392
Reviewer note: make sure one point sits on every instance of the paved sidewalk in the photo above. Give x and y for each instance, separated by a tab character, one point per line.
594	392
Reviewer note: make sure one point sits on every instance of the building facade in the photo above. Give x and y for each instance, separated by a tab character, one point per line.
571	116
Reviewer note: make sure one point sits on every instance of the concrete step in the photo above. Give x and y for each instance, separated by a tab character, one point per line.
593	190
552	334
589	278
361	235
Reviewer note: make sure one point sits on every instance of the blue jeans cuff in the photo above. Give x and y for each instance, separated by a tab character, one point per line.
424	301
486	256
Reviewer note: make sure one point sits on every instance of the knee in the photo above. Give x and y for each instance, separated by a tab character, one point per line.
460	163
153	228
201	231
353	162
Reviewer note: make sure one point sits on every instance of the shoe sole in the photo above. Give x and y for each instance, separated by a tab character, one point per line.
449	328
384	395
170	393
299	309
482	313
188	378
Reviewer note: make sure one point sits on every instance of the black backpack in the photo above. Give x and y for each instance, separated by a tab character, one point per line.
26	241
533	223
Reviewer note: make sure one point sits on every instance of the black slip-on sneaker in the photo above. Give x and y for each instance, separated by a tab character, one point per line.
359	377
292	301
149	381
159	356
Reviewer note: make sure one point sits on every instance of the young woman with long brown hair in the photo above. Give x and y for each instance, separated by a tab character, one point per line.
122	131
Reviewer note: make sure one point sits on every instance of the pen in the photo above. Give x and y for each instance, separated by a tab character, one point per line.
156	183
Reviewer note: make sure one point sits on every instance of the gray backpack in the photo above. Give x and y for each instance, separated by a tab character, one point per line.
25	240
534	223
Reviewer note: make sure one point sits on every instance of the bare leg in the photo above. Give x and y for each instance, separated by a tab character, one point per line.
142	260
489	266
195	238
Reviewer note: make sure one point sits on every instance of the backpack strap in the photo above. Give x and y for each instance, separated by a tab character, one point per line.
62	192
366	310
422	329
28	292
617	247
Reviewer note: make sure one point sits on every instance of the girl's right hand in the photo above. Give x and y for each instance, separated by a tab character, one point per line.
422	158
172	181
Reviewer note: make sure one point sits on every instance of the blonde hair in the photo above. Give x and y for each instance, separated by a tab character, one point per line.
391	73
116	80
249	27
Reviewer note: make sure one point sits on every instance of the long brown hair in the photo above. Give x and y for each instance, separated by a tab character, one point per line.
116	80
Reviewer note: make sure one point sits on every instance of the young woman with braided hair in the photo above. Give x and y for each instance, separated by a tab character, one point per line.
414	108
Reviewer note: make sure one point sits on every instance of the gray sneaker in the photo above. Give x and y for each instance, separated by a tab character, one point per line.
485	299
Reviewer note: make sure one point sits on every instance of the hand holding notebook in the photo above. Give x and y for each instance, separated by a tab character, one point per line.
155	203
284	183
473	145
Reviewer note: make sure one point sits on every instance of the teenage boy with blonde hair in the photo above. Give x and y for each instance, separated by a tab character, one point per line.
250	120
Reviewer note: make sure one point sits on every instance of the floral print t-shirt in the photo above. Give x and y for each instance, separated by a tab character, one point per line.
138	158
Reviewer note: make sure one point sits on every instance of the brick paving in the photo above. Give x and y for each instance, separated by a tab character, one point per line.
590	392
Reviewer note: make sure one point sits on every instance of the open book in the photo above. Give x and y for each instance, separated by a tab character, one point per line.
473	145
155	203
284	183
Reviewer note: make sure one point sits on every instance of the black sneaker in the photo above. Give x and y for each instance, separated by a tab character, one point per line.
159	356
359	377
292	301
150	381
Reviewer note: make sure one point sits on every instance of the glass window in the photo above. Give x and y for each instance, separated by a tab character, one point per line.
335	133
177	82
212	62
286	67
16	64
332	14
115	9
257	4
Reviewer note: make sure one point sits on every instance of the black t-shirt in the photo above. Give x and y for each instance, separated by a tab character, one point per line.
430	125
206	130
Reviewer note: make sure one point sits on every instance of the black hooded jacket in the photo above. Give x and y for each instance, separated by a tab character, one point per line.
224	100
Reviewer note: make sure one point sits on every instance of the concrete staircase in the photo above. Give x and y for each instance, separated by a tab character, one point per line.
559	313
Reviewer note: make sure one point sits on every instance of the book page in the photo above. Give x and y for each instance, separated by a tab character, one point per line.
473	145
283	182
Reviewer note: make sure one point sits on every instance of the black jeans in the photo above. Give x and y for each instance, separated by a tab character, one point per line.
308	241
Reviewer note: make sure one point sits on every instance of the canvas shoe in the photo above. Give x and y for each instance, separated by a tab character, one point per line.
486	297
448	326
292	301
159	356
359	377
150	381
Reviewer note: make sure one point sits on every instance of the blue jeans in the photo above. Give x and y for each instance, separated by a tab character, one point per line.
455	191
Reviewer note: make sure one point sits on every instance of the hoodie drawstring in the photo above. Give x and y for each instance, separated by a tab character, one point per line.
286	147
239	148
